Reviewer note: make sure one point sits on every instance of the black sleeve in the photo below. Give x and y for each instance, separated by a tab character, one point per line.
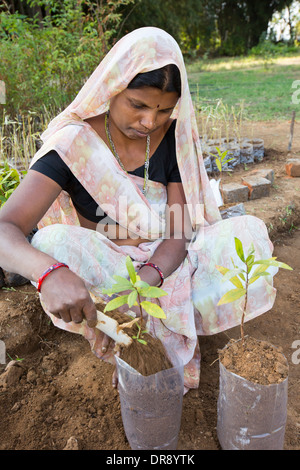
173	170
54	167
174	175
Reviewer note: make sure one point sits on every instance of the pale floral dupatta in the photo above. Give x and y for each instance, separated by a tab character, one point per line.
195	287
92	162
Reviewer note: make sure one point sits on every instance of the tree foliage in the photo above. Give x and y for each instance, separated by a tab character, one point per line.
229	27
49	47
45	59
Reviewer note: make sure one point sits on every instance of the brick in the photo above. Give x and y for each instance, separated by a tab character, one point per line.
267	173
234	192
292	167
258	186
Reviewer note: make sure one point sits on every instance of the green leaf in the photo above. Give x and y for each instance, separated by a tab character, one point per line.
239	249
130	269
122	280
235	280
132	298
254	278
231	296
272	262
116	288
232	273
250	261
116	303
141	284
251	250
153	292
140	340
219	165
260	269
153	309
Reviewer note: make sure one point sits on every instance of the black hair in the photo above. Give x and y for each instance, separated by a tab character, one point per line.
166	78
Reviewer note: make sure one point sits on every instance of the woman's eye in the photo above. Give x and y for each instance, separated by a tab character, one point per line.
137	106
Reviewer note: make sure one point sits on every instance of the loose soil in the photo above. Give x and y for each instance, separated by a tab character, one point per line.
257	361
58	395
146	359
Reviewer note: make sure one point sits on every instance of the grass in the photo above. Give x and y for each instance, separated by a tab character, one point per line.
263	86
227	92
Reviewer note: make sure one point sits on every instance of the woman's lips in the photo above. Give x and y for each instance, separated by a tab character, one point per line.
142	134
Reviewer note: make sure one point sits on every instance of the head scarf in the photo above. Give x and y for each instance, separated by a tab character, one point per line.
143	50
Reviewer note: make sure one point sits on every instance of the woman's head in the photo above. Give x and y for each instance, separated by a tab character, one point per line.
147	103
166	79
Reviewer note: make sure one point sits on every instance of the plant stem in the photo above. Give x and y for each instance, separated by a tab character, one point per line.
141	319
245	306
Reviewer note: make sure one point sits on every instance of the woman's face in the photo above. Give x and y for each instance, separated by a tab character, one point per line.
139	112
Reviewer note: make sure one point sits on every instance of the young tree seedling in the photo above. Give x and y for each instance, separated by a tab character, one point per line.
242	278
136	289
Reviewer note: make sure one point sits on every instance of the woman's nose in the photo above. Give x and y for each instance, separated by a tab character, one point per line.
148	121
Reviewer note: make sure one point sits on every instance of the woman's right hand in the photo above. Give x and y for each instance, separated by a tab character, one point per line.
65	296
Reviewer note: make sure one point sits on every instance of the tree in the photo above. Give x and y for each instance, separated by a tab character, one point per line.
241	24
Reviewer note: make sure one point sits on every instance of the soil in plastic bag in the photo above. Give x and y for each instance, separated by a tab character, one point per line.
151	406
256	361
146	359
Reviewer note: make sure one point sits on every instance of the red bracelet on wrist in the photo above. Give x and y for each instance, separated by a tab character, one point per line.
162	278
47	272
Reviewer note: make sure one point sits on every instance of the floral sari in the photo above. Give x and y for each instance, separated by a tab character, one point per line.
196	286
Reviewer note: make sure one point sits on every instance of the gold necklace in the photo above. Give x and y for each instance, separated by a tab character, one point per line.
113	149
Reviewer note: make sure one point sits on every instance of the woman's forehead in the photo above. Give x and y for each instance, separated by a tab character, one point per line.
152	97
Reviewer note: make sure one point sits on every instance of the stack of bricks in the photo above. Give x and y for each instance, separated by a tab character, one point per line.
255	185
292	167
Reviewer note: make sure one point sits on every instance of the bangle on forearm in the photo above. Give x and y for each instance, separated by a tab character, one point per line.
47	272
152	265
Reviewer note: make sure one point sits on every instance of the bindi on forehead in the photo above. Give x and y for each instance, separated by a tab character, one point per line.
158	106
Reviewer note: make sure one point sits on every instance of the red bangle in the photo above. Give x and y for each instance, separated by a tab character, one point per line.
162	278
47	272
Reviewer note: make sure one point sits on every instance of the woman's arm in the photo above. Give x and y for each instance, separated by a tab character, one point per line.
63	292
172	251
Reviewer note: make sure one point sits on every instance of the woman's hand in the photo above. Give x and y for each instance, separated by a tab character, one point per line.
65	296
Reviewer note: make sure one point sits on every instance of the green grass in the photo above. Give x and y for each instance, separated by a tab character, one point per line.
264	87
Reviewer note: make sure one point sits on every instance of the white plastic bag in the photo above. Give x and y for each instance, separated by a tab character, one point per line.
215	186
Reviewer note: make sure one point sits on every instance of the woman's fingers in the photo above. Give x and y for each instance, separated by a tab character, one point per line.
90	312
62	315
105	343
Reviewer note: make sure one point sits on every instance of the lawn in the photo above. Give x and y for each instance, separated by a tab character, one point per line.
263	88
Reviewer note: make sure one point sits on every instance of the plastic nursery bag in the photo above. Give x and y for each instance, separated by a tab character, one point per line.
215	186
250	416
151	406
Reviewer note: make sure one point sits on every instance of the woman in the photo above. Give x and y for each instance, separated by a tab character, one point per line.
121	173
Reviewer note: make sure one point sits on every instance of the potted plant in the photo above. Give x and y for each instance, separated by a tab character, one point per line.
252	403
150	386
220	164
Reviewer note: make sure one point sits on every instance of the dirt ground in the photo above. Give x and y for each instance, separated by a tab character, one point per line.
59	389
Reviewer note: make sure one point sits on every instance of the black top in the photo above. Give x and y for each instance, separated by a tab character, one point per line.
163	168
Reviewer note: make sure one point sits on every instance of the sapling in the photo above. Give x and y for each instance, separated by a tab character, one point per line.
221	159
242	278
137	289
9	180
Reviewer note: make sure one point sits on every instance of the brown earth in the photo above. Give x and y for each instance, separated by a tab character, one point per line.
59	390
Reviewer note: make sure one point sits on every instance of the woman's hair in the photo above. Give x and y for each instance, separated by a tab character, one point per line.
166	78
